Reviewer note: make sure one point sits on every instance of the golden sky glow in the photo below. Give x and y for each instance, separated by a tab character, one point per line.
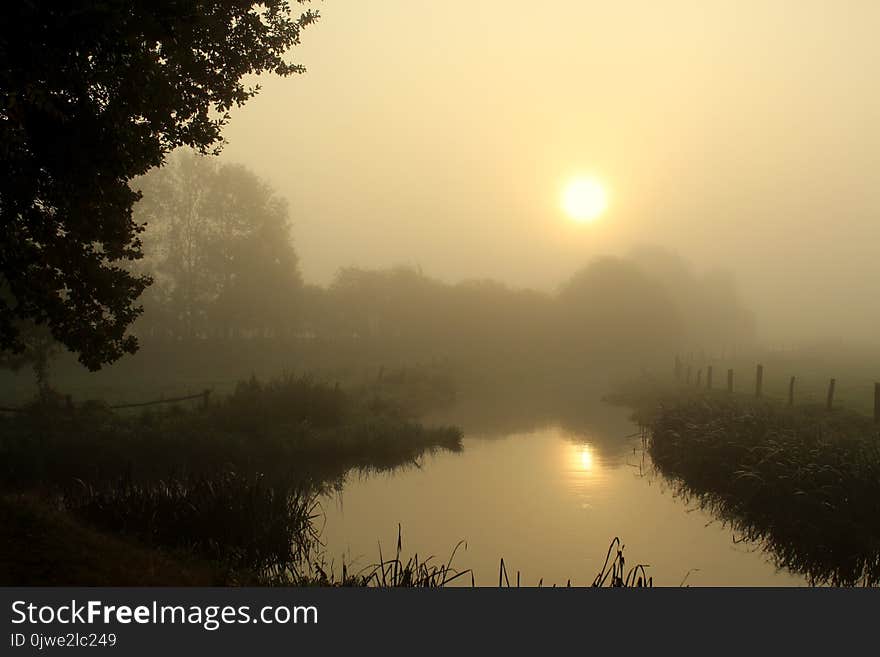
730	131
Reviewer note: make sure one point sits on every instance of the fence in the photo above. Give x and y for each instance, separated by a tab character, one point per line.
682	373
205	396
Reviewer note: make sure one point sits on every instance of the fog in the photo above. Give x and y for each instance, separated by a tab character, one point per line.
741	135
530	281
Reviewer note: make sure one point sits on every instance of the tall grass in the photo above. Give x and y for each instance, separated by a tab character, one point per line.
613	574
239	522
399	571
802	481
396	571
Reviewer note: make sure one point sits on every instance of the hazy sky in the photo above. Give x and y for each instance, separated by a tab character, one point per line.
743	134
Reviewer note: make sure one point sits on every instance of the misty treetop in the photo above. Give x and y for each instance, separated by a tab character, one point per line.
217	242
93	94
612	307
612	302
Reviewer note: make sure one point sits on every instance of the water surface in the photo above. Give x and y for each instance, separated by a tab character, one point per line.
549	500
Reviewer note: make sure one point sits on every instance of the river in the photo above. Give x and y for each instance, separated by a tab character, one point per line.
548	497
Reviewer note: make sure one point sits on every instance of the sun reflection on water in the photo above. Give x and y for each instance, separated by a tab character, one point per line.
586	458
582	462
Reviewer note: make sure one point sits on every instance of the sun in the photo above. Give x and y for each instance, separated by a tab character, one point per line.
584	199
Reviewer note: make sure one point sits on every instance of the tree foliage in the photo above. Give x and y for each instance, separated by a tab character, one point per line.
92	94
218	242
611	303
614	307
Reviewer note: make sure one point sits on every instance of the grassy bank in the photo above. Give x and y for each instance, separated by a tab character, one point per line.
291	428
802	481
42	545
232	484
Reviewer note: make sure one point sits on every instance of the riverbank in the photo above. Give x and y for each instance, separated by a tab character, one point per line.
801	481
231	484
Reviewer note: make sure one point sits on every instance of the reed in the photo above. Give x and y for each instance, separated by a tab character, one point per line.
801	481
613	574
242	523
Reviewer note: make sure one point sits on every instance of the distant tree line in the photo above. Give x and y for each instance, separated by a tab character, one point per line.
218	245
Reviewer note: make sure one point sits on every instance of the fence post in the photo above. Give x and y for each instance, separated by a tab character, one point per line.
791	391
730	380
699	376
206	394
759	380
709	378
876	402
830	400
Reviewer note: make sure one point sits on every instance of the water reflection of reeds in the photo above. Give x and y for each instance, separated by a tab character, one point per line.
802	483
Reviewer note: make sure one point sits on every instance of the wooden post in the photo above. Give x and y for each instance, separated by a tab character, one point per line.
206	394
877	402
677	368
687	378
709	378
759	380
729	380
699	376
830	401
791	392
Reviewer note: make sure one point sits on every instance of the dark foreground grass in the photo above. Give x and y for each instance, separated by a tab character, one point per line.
44	545
396	572
241	524
802	481
232	484
41	545
614	573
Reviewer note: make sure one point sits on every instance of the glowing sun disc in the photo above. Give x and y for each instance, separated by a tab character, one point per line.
584	199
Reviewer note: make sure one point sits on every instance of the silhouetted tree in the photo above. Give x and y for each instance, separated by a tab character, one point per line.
488	316
218	241
92	94
400	302
612	307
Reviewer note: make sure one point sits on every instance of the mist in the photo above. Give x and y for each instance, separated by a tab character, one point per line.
282	281
738	134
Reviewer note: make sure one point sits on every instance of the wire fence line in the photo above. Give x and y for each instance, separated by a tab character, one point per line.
205	396
683	374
